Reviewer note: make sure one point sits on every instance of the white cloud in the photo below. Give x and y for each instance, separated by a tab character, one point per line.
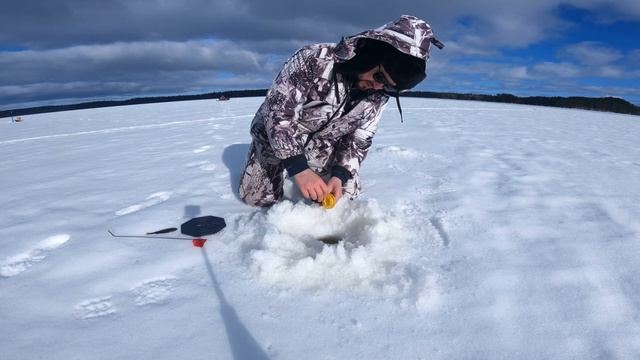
613	72
497	24
609	10
512	72
633	58
133	69
550	70
150	45
485	69
455	49
591	53
135	60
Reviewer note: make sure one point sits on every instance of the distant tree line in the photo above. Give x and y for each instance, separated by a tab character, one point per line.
611	104
134	101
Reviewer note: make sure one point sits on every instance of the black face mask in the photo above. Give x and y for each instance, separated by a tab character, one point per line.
356	93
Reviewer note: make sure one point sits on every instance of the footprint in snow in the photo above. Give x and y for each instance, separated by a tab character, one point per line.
438	157
201	149
202	165
94	308
437	223
197	163
207	167
22	262
152	200
155	291
398	151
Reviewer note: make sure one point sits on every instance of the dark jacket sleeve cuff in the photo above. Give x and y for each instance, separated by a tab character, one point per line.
341	173
295	164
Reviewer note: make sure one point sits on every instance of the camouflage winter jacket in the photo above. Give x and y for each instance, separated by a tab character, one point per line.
302	122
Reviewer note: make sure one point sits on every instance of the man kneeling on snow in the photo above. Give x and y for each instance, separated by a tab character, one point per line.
320	114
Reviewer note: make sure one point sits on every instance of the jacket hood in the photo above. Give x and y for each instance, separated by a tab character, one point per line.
408	34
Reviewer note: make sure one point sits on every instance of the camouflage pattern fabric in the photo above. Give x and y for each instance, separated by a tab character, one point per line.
293	118
262	180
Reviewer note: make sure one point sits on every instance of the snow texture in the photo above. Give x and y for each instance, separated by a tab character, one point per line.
485	231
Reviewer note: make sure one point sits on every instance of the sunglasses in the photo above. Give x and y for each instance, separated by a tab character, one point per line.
379	77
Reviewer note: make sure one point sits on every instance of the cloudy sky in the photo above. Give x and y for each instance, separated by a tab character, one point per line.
62	51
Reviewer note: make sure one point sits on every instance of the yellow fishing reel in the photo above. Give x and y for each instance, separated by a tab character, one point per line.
329	201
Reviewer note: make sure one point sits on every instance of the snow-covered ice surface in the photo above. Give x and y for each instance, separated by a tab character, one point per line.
485	231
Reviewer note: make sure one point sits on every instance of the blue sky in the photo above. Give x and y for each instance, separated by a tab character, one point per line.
76	50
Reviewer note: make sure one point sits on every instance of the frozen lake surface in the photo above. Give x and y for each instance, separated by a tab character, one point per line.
484	231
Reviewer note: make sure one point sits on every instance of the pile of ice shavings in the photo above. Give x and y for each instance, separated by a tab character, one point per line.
355	245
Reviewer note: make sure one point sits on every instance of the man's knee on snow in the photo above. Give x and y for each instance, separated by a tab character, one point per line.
260	184
261	196
258	201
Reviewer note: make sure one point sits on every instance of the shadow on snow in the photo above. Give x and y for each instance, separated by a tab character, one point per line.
234	158
243	345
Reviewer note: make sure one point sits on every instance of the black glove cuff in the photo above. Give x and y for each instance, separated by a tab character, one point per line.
295	164
341	173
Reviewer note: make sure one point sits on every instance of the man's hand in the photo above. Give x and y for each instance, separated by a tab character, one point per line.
335	186
311	185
